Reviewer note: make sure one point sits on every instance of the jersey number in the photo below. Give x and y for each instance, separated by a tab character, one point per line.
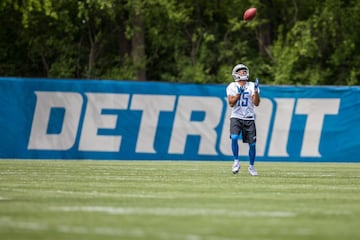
244	99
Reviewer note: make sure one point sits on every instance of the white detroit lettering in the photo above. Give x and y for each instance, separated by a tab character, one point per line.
315	109
151	106
183	126
93	120
281	127
273	128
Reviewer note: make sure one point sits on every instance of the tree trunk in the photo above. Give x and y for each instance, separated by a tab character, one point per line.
124	44
264	39
264	32
138	47
92	53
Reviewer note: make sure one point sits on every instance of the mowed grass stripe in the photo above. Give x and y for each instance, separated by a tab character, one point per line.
48	199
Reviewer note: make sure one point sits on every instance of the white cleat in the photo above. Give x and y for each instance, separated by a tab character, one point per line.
252	171
236	167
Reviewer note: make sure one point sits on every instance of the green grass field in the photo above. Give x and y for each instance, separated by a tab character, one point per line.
178	200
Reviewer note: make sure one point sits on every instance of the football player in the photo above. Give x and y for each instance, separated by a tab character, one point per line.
243	96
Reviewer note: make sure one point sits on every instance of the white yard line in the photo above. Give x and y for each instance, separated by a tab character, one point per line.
94	193
173	211
305	174
6	222
10	223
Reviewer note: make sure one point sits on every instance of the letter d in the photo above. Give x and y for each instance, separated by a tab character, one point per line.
39	138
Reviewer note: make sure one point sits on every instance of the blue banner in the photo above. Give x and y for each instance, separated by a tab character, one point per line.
126	120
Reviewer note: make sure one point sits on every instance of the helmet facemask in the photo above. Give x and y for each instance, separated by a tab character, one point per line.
236	75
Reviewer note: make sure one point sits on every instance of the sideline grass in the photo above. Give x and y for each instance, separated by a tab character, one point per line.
177	200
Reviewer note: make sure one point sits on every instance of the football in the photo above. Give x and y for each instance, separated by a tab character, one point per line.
249	14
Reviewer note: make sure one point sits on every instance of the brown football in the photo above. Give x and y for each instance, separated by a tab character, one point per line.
249	14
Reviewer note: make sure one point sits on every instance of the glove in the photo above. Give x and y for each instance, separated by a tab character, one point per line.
256	87
240	90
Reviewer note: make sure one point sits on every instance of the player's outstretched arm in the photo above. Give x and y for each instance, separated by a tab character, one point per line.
233	100
256	96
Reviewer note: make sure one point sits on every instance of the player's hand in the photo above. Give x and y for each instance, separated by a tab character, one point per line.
256	84
240	90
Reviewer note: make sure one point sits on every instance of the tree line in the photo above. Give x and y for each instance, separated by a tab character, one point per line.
295	42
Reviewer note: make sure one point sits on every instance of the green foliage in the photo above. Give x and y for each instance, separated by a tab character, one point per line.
123	71
298	42
320	50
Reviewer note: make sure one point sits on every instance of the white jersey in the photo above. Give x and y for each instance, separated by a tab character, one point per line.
244	108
